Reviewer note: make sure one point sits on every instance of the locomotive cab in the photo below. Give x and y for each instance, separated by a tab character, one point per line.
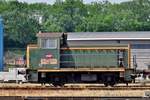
44	55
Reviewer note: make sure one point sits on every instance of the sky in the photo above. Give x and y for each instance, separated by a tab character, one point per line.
52	1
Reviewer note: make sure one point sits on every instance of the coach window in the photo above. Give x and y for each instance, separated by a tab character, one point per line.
49	43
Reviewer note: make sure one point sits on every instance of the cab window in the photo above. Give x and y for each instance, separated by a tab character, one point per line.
49	43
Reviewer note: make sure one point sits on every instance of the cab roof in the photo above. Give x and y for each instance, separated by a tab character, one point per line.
49	35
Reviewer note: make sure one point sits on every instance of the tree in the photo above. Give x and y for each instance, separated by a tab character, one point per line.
20	29
21	19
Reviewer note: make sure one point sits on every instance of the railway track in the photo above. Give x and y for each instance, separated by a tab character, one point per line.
74	90
77	87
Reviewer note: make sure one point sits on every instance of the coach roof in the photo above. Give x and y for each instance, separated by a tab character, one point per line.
140	35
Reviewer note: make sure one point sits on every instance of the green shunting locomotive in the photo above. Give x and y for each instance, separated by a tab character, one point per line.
57	61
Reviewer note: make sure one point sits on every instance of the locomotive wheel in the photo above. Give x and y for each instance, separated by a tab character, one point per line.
56	84
109	80
112	84
127	84
106	84
42	84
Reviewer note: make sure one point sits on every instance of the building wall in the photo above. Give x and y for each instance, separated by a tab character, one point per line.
142	57
140	49
135	41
